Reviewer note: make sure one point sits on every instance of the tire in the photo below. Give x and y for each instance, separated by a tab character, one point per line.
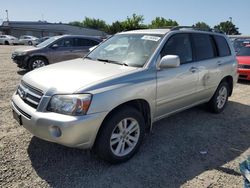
108	148
6	43
219	100
37	62
30	43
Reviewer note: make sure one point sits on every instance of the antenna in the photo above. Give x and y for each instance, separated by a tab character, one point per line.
7	13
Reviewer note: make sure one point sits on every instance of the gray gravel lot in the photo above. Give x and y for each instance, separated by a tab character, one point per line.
169	157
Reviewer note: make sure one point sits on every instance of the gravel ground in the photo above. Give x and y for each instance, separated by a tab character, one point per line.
169	157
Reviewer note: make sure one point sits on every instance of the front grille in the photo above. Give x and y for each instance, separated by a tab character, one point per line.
29	94
242	76
21	111
243	66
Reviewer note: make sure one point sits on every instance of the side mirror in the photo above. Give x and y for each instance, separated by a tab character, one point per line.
54	46
169	61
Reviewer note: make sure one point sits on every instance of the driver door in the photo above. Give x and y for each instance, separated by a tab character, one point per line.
177	87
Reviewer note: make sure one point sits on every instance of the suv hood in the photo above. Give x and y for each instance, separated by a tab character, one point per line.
70	76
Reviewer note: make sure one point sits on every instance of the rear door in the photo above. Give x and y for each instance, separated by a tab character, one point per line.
82	45
177	87
211	60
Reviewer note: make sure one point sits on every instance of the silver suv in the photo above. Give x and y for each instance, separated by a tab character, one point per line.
110	99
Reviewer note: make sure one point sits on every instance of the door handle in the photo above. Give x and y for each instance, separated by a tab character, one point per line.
193	69
219	63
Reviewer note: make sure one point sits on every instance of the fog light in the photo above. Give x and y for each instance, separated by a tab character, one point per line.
55	131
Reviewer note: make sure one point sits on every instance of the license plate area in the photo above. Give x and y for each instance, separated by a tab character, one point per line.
17	117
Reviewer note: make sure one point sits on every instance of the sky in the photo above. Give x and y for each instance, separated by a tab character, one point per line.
185	12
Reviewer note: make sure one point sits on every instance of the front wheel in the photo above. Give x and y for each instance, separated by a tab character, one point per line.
121	135
220	98
37	62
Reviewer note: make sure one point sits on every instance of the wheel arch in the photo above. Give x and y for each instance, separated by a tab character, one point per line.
140	104
229	80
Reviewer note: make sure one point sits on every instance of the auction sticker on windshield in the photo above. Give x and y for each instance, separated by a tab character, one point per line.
152	38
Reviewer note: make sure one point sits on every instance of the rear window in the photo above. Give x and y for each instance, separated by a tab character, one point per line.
222	46
85	42
203	45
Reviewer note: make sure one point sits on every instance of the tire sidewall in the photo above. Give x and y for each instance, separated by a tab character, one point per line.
104	138
214	99
31	61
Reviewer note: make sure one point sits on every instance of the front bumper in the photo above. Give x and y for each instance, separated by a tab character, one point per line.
71	131
20	60
244	74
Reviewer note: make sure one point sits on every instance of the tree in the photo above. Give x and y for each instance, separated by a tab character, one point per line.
115	27
94	24
134	22
160	22
228	27
202	25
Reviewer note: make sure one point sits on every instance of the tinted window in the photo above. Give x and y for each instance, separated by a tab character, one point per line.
85	42
203	46
27	38
245	51
66	42
180	45
222	46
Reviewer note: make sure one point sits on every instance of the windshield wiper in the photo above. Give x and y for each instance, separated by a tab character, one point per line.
111	61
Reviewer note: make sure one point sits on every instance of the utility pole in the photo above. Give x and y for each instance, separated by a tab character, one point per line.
7	13
231	19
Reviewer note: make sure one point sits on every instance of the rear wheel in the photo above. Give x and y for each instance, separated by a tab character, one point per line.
121	135
220	98
37	62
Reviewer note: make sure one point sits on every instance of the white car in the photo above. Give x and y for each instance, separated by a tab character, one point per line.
8	39
28	40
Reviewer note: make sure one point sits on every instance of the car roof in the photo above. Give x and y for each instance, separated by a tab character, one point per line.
148	31
165	31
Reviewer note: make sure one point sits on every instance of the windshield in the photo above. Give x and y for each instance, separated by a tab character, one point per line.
126	49
245	51
47	42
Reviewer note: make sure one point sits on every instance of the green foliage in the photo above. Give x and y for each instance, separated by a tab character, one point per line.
94	23
227	27
202	25
135	22
160	22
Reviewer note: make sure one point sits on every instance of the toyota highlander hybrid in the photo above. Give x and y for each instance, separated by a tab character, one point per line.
109	99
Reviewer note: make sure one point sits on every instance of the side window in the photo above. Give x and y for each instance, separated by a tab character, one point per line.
66	42
26	37
222	46
203	46
85	42
180	45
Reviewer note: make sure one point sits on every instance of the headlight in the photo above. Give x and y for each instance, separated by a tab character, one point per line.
77	104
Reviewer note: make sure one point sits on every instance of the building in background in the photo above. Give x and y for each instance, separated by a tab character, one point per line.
43	28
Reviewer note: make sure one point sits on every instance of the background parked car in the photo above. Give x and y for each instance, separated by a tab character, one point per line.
243	57
8	39
239	43
28	40
54	49
40	40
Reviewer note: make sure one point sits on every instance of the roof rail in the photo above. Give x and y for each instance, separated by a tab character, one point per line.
196	28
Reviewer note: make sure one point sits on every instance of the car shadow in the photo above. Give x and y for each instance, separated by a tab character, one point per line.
22	72
246	82
179	148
